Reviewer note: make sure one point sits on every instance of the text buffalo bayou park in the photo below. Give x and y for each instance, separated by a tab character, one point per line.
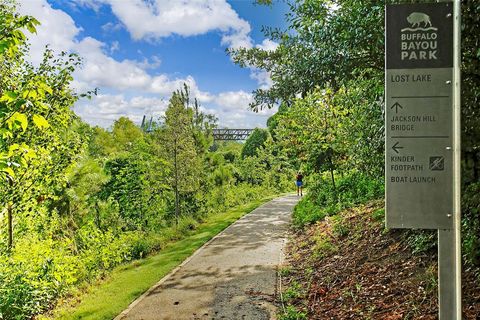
419	45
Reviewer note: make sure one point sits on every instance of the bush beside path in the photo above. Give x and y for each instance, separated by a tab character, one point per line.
107	299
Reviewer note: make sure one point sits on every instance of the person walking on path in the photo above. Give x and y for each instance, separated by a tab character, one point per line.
299	184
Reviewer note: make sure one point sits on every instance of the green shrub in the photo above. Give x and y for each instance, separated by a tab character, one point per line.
379	215
340	227
34	275
306	212
422	240
323	200
294	291
471	224
186	224
291	313
323	245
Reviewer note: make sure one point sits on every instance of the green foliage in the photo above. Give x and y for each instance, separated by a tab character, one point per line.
471	224
320	46
291	313
101	143
327	75
107	298
254	142
307	212
39	137
77	201
292	292
182	156
422	240
126	134
470	96
379	215
285	270
137	184
251	170
322	245
340	228
322	200
12	37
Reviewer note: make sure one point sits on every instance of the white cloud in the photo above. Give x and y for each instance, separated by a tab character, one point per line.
111	27
57	29
103	110
157	19
129	87
233	100
115	46
263	78
92	4
238	39
99	70
267	45
152	63
230	107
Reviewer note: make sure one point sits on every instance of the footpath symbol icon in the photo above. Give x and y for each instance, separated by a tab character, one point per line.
437	163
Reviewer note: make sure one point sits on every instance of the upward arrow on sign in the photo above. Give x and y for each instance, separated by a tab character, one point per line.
396	105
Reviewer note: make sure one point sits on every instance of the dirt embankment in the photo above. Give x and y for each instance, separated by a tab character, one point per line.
349	267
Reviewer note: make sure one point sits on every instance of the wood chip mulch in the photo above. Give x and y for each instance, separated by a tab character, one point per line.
367	272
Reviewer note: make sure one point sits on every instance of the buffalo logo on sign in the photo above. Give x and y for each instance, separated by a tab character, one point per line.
416	18
417	38
419	43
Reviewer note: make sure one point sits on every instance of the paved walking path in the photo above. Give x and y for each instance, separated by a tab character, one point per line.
232	277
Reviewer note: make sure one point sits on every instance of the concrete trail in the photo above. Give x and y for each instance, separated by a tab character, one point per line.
231	277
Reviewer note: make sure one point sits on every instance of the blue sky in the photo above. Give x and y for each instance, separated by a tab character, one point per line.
137	52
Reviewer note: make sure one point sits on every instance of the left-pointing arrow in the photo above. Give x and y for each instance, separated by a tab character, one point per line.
396	147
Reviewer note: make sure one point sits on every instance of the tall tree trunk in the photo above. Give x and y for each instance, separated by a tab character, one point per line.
333	178
10	225
97	216
177	195
10	217
177	205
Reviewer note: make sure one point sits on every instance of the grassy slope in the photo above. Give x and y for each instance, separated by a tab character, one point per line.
358	270
348	266
127	282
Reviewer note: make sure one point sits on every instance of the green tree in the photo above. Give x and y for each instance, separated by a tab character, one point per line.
255	141
126	134
322	46
339	45
138	184
37	143
181	152
101	143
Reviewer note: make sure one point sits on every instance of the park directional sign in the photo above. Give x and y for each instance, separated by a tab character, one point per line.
422	124
419	116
